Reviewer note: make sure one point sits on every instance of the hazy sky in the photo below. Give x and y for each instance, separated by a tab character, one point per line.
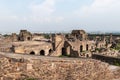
59	15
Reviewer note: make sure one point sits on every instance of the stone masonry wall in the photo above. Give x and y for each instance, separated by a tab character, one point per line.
108	59
55	69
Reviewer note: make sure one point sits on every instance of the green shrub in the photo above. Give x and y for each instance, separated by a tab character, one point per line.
117	46
116	63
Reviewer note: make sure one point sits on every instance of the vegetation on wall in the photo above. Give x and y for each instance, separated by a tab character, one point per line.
100	49
66	55
116	46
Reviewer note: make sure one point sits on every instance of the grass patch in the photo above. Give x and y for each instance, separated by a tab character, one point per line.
64	56
30	79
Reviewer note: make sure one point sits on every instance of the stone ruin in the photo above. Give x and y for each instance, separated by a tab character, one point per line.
49	68
24	35
75	44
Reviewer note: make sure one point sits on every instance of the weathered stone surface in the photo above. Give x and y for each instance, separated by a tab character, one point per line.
76	44
56	69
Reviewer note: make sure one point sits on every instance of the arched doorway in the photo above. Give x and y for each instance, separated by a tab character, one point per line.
87	55
87	47
81	48
28	38
42	52
32	53
64	51
50	51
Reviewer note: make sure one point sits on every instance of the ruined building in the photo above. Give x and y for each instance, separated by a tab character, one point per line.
24	35
75	44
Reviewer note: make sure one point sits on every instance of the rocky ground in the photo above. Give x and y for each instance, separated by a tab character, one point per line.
56	69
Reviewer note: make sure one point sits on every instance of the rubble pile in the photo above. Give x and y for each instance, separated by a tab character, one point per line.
55	69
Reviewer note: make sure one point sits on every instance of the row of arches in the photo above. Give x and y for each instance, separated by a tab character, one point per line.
66	50
42	52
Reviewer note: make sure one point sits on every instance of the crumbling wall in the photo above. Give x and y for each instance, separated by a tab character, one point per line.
58	44
55	69
108	59
25	35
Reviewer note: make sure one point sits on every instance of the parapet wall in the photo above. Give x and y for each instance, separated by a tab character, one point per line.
108	59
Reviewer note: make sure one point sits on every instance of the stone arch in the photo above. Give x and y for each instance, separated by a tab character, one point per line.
81	48
28	38
87	47
50	51
42	52
87	55
64	51
32	53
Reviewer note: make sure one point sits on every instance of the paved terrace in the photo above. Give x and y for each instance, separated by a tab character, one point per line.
27	56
